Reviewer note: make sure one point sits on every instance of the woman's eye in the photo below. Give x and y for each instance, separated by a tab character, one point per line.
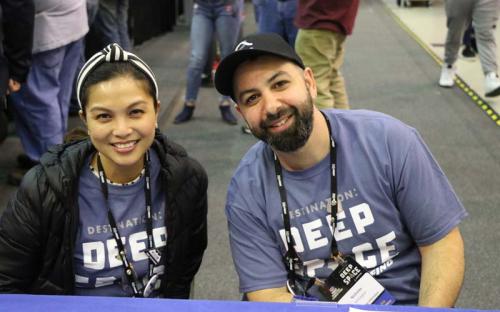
136	112
103	117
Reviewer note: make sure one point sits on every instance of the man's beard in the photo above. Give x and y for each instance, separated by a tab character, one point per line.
296	135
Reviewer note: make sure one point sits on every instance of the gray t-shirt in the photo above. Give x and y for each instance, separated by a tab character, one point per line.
393	197
98	270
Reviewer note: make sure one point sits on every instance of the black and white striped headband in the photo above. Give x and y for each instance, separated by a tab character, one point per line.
112	53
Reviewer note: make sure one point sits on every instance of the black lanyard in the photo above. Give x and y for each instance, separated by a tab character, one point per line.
127	265
291	257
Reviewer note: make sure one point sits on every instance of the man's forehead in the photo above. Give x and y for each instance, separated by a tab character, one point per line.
265	65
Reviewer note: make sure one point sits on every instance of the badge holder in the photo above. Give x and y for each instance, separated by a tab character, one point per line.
350	283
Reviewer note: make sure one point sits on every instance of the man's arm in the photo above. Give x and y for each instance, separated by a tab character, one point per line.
442	271
279	294
18	23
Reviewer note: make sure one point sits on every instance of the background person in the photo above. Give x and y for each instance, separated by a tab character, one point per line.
16	18
56	233
394	213
41	106
484	16
323	29
209	17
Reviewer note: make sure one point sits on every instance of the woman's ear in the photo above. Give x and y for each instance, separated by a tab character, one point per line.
83	117
157	107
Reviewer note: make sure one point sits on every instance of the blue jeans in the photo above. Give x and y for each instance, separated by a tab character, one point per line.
41	106
92	8
209	18
277	17
112	23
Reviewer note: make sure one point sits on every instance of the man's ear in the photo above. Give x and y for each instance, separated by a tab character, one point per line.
310	82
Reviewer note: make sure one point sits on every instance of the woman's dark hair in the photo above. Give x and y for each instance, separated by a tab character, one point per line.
107	71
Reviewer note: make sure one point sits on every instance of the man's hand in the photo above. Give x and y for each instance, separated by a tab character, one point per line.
280	294
442	271
13	86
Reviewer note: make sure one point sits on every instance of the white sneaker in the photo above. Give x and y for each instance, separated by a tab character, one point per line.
492	85
446	80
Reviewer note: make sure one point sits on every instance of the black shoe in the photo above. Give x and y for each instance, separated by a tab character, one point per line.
24	162
227	115
246	130
15	176
468	52
184	115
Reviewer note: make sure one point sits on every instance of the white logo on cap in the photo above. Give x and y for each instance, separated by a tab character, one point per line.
243	45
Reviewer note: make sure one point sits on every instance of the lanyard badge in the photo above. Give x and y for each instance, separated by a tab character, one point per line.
349	282
154	254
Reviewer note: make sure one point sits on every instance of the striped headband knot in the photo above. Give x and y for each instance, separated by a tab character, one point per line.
110	54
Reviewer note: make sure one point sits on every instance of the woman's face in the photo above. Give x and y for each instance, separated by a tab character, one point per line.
121	120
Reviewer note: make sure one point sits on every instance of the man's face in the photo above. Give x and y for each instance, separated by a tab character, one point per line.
276	99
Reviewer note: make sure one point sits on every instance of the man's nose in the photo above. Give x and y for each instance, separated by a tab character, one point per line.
272	103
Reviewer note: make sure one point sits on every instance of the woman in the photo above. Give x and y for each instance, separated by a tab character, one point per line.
122	213
210	17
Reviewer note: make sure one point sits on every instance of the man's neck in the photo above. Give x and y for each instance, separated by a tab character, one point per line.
315	149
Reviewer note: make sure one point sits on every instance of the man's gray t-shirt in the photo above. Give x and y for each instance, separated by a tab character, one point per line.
393	197
98	269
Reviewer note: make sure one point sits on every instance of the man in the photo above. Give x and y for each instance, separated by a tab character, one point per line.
41	105
397	213
484	17
323	29
15	52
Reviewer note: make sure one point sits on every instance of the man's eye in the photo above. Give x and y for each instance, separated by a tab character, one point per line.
251	99
280	84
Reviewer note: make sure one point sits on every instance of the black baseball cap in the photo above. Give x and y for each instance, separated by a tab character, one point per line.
249	47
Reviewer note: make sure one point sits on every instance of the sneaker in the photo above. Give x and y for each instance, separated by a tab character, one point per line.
491	85
468	52
184	115
446	80
227	115
245	129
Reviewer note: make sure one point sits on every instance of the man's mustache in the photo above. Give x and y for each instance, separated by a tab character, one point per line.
271	118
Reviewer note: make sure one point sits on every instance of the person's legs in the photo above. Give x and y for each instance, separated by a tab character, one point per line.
269	18
287	10
227	25
122	23
202	28
67	75
106	24
337	86
323	51
458	17
484	20
92	8
36	107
